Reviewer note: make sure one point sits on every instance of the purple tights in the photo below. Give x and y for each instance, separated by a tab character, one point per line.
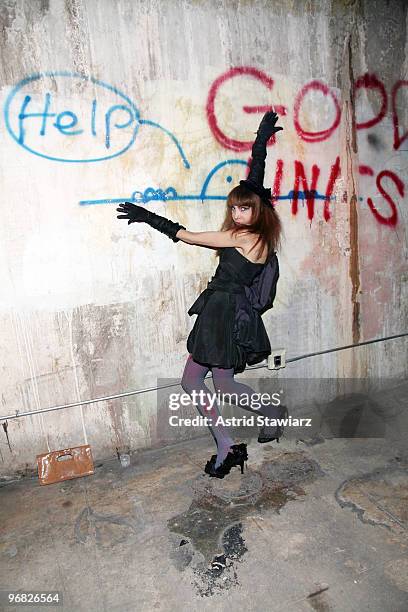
223	379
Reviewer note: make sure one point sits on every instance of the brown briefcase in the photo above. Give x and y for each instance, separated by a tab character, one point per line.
60	465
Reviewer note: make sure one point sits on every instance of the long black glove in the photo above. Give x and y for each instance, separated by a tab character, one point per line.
256	175
138	214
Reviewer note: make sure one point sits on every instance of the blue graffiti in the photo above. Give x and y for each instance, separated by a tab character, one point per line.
170	194
116	117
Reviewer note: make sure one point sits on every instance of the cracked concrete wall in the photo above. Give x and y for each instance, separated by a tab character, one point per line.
102	100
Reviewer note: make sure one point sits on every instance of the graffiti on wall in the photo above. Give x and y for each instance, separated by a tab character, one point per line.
309	185
43	125
107	129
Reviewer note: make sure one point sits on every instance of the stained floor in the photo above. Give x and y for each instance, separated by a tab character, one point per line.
313	525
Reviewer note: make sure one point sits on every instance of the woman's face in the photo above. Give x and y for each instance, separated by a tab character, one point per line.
241	215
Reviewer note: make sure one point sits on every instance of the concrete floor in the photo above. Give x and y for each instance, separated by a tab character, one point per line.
313	525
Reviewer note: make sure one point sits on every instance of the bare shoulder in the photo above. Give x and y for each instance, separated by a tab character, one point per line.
243	238
238	239
246	243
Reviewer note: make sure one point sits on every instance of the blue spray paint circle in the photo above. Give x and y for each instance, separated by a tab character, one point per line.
130	107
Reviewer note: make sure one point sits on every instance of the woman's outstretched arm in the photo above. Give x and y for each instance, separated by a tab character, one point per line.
211	239
175	231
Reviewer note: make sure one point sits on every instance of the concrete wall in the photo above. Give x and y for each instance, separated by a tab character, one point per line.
103	99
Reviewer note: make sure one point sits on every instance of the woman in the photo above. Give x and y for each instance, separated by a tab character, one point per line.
229	333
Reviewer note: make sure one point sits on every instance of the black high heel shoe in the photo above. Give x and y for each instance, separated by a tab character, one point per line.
264	436
237	455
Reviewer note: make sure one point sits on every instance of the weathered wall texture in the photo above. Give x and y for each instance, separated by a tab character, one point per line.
103	99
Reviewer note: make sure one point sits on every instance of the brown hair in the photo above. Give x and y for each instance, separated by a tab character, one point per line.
265	220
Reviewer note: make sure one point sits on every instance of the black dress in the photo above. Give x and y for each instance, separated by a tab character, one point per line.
229	331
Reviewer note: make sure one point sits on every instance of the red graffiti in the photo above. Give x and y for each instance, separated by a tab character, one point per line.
278	180
300	177
367	81
334	175
281	110
393	218
370	81
398	140
221	137
366	171
335	171
323	134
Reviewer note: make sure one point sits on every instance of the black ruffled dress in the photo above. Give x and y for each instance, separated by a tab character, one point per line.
229	331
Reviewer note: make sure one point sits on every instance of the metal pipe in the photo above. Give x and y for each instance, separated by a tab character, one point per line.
19	414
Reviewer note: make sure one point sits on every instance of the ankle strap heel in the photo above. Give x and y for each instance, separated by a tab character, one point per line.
237	455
